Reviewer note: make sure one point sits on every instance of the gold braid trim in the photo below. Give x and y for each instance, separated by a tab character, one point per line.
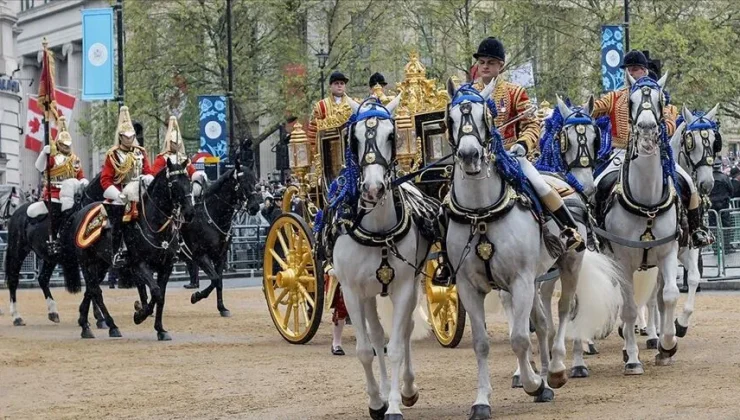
64	171
122	168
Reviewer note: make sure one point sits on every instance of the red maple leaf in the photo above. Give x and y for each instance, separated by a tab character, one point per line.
35	124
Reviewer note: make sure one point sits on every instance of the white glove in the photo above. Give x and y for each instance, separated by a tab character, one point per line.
517	150
47	149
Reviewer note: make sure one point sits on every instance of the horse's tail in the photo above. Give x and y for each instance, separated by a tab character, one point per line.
598	298
17	245
72	275
421	322
644	283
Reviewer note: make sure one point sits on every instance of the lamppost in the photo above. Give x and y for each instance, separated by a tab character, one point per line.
322	56
627	26
230	92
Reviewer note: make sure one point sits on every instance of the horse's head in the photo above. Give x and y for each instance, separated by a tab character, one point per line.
700	145
646	102
468	125
372	139
579	142
245	183
178	184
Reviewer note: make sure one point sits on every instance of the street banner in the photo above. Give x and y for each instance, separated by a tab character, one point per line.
612	52
97	50
35	119
214	147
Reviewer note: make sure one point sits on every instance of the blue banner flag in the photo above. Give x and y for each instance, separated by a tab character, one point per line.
213	142
612	53
97	50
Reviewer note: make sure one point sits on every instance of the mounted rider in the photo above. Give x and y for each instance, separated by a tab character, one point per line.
520	139
331	113
174	151
376	84
615	104
62	164
125	162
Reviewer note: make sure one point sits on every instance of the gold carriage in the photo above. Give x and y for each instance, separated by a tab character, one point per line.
294	284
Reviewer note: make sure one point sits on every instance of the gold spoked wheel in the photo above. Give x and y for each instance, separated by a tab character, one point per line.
293	283
288	195
446	312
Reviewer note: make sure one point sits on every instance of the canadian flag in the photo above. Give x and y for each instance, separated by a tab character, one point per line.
35	119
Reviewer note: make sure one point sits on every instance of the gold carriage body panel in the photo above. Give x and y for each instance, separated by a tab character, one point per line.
330	144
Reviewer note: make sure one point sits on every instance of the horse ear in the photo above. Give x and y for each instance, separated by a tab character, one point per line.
169	164
450	88
712	115
353	104
676	140
393	104
590	105
564	110
662	80
486	93
687	115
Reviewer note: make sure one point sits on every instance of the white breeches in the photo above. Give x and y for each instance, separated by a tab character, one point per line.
541	187
618	158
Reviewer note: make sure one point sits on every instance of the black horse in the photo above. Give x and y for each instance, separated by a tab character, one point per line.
207	236
26	234
152	241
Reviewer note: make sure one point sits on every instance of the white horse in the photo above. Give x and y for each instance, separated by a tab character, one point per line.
494	240
641	217
380	255
695	148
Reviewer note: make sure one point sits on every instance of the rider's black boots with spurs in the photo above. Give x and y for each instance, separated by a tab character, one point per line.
569	229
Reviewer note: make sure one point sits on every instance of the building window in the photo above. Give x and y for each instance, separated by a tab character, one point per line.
30	4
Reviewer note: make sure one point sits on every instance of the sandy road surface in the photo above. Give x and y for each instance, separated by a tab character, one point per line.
241	368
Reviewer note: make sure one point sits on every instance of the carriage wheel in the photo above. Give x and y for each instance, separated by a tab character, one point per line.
288	195
292	280
446	312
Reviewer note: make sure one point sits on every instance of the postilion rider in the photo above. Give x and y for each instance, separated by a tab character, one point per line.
62	165
125	162
333	108
615	104
520	139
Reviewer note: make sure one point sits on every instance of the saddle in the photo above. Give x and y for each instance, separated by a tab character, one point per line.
562	190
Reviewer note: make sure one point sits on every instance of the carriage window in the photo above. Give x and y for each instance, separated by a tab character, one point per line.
436	146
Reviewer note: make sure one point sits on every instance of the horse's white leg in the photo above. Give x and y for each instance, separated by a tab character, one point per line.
629	315
668	342
641	323
539	320
516	378
377	338
14	312
473	300
568	282
409	390
652	325
547	289
404	303
522	293
579	368
364	349
690	260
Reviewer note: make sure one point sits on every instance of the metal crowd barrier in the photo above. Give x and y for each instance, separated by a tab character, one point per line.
244	257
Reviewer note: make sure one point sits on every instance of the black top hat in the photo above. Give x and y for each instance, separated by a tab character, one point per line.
338	76
491	47
634	58
377	79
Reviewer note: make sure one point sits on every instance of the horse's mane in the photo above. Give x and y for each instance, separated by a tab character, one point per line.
216	185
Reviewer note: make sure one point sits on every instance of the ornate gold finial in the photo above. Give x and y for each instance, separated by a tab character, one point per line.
544	110
419	94
298	135
403	119
414	69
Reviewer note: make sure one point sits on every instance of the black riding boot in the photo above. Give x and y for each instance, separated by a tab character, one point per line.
569	229
700	236
115	218
55	211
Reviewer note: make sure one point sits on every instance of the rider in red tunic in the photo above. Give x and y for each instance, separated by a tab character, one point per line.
125	162
173	149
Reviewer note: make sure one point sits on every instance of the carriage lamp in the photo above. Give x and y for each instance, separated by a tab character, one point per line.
544	110
298	156
406	140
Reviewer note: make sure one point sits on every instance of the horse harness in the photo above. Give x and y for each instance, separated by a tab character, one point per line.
165	245
584	159
709	151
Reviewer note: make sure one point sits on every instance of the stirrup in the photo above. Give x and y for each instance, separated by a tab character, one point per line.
701	238
572	239
119	259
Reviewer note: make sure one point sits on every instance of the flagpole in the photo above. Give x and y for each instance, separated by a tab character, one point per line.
47	142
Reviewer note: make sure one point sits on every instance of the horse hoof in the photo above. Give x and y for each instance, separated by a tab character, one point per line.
633	369
516	382
18	322
101	325
592	350
225	313
194	298
137	306
579	372
542	394
139	317
163	336
379	413
680	329
480	412
410	401
643	332
54	317
394	416
625	356
652	344
87	333
557	379
620	331
661	360
114	333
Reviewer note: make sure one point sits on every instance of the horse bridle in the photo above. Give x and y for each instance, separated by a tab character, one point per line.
584	159
468	127
709	151
646	87
372	155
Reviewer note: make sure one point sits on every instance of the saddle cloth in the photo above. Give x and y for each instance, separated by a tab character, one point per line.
91	228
